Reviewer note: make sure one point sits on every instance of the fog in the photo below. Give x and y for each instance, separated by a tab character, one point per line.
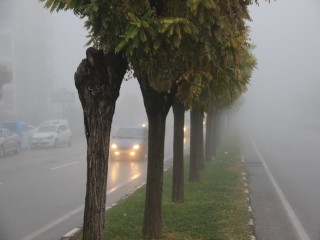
44	52
47	48
285	85
42	191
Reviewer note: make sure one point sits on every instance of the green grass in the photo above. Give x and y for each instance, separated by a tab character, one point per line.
214	208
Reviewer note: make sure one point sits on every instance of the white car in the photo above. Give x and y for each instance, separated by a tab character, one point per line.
50	135
56	121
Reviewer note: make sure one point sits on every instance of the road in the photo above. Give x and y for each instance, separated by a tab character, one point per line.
283	166
42	191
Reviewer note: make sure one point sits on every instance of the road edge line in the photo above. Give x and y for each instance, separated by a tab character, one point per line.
300	231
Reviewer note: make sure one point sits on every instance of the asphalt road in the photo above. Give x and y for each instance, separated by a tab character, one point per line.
283	164
42	191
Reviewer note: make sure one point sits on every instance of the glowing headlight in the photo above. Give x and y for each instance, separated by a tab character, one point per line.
114	146
132	153
184	129
136	147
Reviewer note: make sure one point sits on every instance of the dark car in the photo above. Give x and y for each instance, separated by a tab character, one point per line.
9	141
130	143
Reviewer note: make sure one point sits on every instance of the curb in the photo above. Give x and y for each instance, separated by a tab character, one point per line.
251	225
74	234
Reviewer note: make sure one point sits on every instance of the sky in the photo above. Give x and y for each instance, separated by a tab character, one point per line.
287	36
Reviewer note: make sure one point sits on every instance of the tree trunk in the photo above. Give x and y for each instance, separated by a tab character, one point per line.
217	127
177	194
215	132
200	136
209	136
98	80
220	123
157	106
194	174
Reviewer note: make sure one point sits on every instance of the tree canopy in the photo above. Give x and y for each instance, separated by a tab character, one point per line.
188	43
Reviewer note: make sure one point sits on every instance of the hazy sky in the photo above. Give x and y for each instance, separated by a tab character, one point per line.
287	36
68	46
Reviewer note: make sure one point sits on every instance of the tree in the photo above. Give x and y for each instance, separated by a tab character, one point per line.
5	77
177	194
231	91
195	145
155	37
98	80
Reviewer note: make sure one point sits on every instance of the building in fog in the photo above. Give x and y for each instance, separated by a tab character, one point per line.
25	49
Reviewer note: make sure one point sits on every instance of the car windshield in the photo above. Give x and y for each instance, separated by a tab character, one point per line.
130	133
47	128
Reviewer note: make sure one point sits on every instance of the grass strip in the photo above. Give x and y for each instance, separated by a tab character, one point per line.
214	208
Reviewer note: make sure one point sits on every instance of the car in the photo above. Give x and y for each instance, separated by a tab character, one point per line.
51	135
9	141
55	121
129	143
31	129
21	128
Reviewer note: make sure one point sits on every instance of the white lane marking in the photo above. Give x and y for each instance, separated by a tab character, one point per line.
124	183
76	211
71	213
53	224
294	219
64	165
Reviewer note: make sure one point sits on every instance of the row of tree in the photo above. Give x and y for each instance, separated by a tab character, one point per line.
192	54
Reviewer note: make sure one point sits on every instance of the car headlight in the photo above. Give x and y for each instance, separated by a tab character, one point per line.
50	137
136	147
114	146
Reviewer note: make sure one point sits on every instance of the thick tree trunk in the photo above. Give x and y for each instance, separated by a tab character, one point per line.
194	174
177	194
98	80
157	106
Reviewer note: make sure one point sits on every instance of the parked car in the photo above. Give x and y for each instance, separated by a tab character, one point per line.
22	129
49	135
129	143
9	141
31	129
55	121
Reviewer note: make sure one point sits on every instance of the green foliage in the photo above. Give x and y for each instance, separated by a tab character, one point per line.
197	36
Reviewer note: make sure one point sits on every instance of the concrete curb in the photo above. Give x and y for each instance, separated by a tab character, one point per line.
74	234
251	225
